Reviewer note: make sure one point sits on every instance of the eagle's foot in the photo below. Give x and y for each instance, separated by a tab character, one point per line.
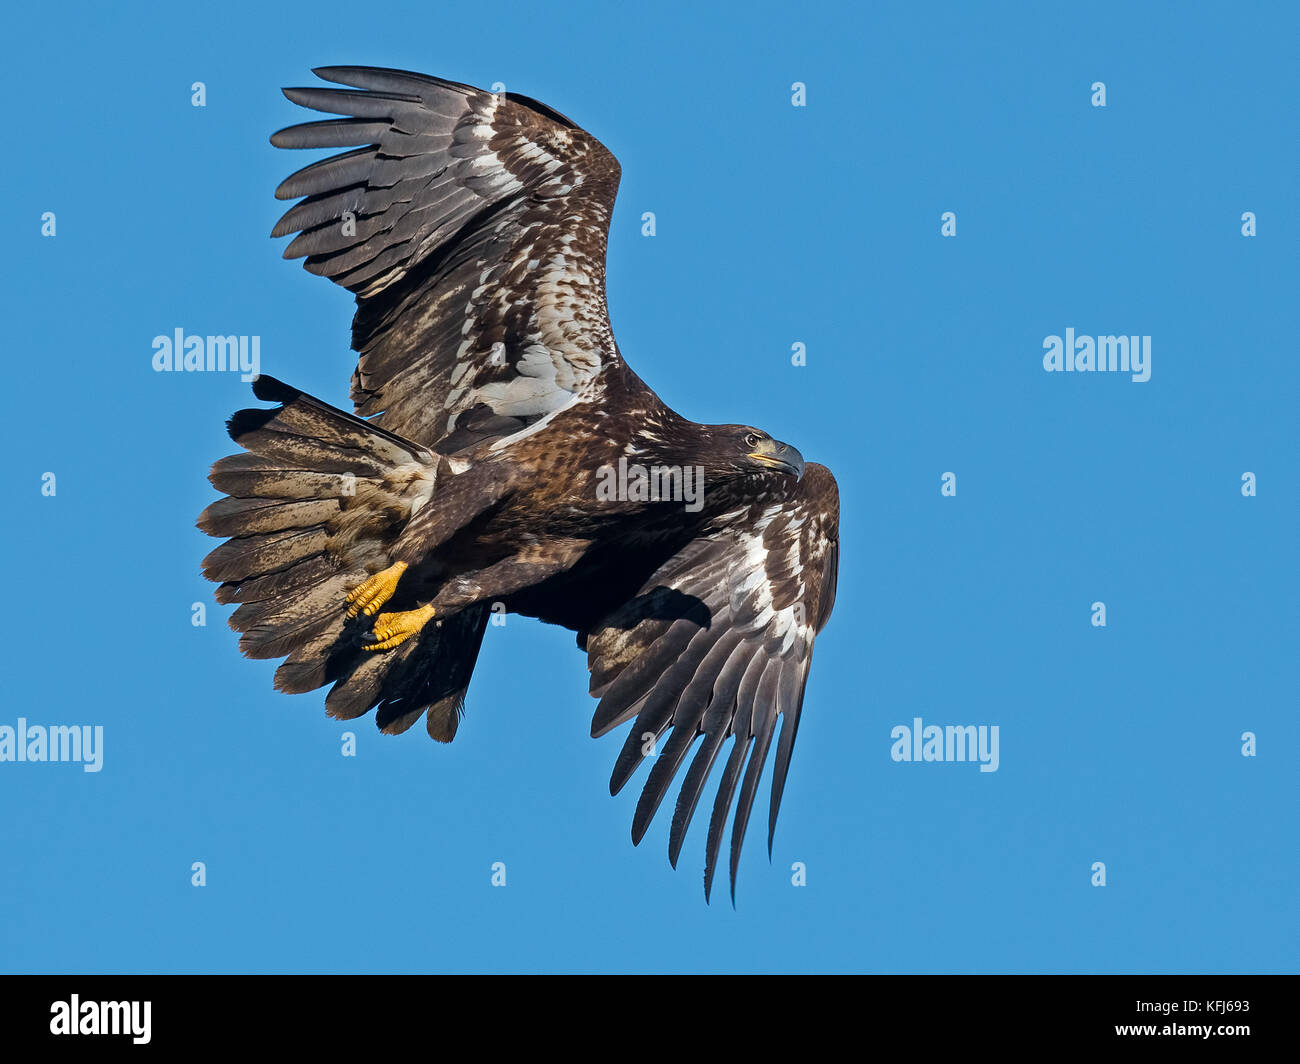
392	629
367	597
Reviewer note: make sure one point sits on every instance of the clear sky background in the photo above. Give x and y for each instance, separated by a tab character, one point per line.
776	225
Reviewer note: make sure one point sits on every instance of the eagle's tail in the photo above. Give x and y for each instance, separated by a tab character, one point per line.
312	508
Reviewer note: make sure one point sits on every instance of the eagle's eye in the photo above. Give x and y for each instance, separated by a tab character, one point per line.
751	439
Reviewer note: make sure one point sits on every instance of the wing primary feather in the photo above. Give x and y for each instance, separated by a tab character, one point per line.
765	713
716	729
751	677
630	756
721	805
620	700
350	101
791	707
331	133
383	79
662	701
661	778
329	175
689	796
694	701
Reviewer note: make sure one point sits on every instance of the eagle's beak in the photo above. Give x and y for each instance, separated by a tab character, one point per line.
779	456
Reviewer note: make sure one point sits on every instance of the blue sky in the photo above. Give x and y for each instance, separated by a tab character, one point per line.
775	225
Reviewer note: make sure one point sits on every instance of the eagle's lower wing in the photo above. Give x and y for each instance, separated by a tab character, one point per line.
472	228
718	643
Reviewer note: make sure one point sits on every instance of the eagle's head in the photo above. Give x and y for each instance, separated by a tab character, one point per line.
744	450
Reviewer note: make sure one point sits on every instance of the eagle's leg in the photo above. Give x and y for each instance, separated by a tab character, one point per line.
393	629
368	596
509	575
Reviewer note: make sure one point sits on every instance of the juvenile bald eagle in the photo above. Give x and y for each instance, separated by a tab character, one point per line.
502	454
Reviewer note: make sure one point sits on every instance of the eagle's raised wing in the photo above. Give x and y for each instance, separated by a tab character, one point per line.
472	228
718	643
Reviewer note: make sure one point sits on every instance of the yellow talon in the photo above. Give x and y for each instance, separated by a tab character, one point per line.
367	597
393	629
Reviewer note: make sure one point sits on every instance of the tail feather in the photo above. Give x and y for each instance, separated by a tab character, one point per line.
247	428
312	506
314	664
239	517
323	599
303	415
258	554
278	639
430	672
256	476
448	687
269	585
357	693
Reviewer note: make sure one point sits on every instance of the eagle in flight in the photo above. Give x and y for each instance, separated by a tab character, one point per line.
503	456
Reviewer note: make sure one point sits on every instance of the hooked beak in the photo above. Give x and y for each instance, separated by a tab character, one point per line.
780	457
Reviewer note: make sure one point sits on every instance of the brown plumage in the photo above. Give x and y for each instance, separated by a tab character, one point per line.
501	451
